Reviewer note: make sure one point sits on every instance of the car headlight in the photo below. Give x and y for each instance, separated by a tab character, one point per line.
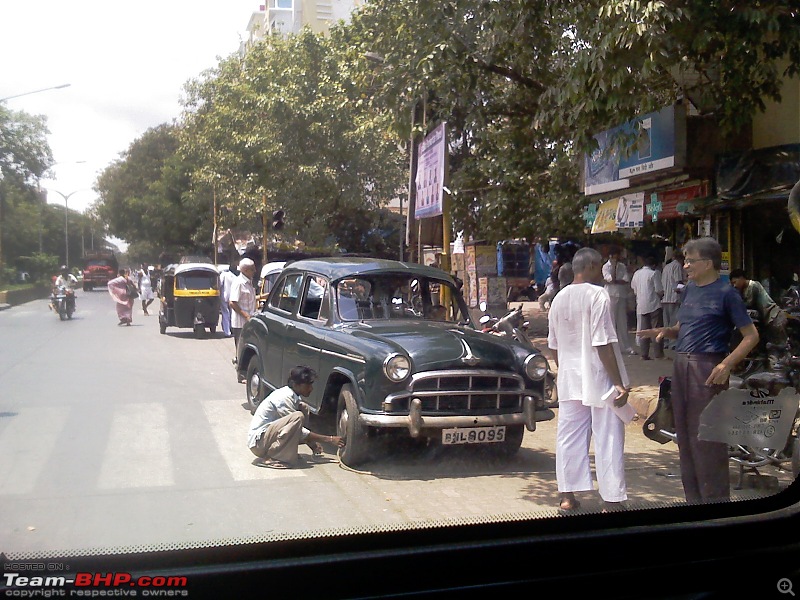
536	366
397	367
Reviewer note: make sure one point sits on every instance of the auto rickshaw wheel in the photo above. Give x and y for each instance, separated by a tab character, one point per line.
199	330
212	329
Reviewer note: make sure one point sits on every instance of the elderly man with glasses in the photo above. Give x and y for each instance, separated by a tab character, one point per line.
710	311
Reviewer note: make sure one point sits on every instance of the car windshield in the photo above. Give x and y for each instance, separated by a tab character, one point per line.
397	296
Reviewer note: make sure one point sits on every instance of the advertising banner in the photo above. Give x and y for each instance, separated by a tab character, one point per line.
630	211
430	173
652	147
606	219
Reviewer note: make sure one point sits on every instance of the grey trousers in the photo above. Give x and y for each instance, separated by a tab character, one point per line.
281	439
704	465
650	321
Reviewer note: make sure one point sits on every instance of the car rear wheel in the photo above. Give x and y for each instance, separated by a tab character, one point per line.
356	435
254	385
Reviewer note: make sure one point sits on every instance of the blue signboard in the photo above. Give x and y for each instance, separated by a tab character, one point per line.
653	147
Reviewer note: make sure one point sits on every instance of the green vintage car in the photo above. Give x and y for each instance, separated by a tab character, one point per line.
397	353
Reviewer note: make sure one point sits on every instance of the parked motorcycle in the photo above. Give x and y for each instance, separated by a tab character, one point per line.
514	325
660	426
63	302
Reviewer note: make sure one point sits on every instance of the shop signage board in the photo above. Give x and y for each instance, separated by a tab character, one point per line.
431	173
606	219
651	146
630	211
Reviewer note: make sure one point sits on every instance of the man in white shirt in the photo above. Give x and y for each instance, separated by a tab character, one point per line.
276	429
646	285
615	274
242	298
591	377
226	279
671	275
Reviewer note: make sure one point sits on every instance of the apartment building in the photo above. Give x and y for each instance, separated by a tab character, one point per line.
287	17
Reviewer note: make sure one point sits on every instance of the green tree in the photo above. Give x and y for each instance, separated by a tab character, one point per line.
286	127
24	157
145	198
525	84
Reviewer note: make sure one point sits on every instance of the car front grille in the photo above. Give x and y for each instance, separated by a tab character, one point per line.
469	392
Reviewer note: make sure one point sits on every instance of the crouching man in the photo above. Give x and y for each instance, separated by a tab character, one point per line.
277	430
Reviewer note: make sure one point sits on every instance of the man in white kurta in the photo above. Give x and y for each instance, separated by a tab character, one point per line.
615	275
591	376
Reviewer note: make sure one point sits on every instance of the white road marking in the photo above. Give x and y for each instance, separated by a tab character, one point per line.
138	452
230	432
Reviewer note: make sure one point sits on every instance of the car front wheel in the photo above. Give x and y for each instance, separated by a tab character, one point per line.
357	441
254	385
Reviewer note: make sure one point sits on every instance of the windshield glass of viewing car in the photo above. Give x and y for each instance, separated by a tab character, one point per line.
391	296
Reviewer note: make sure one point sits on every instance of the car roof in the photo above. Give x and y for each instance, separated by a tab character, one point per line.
337	268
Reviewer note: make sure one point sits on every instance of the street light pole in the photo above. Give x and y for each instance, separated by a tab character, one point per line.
55	87
66	222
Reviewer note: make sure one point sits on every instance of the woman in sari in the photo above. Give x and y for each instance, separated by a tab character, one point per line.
118	288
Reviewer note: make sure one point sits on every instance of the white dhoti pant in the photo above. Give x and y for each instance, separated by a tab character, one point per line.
576	425
225	309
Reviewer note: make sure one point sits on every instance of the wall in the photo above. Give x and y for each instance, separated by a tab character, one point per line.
780	123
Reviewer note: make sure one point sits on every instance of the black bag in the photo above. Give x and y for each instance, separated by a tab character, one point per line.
662	417
133	293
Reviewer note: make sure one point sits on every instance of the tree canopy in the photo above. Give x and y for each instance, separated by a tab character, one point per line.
319	126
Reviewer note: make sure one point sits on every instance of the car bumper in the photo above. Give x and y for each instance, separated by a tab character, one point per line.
415	421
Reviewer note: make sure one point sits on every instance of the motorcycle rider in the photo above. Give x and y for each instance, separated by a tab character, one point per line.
66	280
773	318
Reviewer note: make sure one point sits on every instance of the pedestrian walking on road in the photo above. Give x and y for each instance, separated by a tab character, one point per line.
145	284
646	286
709	312
121	289
277	427
226	279
616	279
592	380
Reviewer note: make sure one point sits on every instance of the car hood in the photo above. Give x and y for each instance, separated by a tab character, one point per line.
442	345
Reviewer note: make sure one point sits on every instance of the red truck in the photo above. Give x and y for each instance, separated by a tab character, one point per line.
99	267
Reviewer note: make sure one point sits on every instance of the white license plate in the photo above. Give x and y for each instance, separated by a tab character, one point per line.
474	435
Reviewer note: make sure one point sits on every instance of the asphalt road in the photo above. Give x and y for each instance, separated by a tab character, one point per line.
122	439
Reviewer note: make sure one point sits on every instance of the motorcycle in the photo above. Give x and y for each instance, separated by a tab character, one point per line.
514	325
63	302
660	426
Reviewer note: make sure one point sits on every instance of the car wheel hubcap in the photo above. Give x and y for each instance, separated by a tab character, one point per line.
254	381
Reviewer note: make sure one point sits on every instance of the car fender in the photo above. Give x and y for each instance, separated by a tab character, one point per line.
338	377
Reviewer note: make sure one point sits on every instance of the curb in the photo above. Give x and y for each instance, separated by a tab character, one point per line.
4	306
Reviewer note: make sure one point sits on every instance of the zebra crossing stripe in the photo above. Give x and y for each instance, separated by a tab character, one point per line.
229	428
138	452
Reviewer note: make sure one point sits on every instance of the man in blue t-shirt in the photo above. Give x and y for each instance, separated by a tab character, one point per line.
709	312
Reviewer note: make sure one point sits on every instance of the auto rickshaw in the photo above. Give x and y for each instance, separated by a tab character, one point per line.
189	295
